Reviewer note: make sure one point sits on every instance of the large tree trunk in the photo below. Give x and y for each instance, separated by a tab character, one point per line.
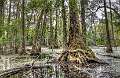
108	41
77	53
75	36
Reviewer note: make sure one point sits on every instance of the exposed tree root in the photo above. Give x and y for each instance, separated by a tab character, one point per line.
74	60
77	56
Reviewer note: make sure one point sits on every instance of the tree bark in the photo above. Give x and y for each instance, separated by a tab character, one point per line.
9	16
77	53
75	37
112	28
51	36
18	27
37	38
56	26
1	20
44	28
9	34
83	20
108	41
64	25
23	27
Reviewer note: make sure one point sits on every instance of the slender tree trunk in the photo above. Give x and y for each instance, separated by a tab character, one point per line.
18	27
1	20
28	24
51	42
56	26
108	41
36	46
9	16
1	14
43	27
14	35
9	19
83	20
37	38
112	29
64	25
23	27
44	31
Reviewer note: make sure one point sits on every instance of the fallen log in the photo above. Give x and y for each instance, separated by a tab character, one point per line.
14	71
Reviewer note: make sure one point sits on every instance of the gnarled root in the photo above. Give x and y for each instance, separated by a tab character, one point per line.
78	56
71	61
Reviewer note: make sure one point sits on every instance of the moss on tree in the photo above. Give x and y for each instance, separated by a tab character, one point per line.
77	53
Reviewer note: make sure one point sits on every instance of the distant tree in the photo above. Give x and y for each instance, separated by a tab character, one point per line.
108	41
51	28
57	23
1	19
23	26
64	19
111	22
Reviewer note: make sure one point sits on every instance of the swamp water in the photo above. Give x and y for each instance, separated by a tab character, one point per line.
101	71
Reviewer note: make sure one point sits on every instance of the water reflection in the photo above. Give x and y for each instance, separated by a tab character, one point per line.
102	71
